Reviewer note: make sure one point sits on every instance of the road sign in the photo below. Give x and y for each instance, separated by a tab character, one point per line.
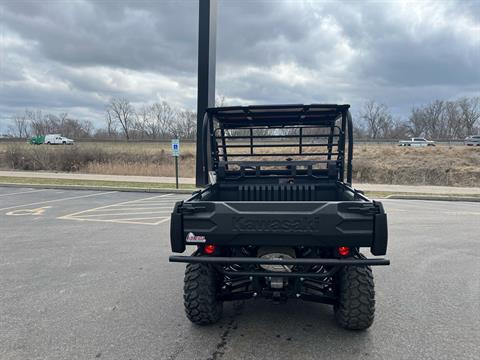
175	147
176	154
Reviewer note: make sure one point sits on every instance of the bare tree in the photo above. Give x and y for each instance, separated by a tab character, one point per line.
445	119
164	117
433	117
152	126
187	123
20	126
141	121
220	101
453	129
123	112
469	113
377	118
111	124
417	122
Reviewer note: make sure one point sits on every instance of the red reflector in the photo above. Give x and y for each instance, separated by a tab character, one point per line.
343	250
209	249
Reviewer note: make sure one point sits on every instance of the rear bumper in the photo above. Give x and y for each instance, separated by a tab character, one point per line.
260	261
253	272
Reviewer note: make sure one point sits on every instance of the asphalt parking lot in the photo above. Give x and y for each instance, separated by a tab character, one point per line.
85	275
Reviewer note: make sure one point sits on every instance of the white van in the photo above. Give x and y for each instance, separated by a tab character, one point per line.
52	139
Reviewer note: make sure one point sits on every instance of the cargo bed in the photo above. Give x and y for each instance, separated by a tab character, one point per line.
322	215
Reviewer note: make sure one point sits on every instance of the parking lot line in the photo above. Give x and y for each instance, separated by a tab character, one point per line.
23	192
123	221
164	220
147	211
112	205
55	200
126	214
139	208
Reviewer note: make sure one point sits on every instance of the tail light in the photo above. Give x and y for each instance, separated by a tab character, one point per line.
209	249
343	250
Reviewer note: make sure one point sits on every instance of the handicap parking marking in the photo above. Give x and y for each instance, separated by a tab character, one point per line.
153	210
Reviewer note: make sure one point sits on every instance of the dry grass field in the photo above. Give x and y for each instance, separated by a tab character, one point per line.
386	164
440	165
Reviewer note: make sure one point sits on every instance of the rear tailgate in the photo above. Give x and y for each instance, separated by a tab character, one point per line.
346	223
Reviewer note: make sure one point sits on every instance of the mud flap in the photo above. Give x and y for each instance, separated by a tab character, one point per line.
380	235
176	231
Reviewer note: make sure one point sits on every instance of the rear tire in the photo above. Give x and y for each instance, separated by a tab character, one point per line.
200	295
355	309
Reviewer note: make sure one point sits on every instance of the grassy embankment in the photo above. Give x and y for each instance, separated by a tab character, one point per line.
381	164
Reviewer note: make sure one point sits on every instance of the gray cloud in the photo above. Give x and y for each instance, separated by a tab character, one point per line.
75	55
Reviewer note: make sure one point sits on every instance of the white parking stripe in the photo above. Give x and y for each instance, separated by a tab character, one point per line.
55	200
127	214
23	192
110	206
133	221
129	209
152	210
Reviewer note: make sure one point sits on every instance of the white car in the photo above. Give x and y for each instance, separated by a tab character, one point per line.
53	139
473	140
418	142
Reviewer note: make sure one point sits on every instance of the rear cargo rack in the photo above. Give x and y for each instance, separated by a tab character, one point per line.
278	140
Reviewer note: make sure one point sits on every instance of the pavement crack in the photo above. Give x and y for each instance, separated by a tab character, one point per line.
232	325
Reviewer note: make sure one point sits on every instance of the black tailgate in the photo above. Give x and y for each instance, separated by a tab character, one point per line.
347	223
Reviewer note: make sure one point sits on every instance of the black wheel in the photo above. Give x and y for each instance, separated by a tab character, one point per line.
200	295
64	143
355	308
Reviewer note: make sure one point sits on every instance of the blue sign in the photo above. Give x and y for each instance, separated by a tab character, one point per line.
175	147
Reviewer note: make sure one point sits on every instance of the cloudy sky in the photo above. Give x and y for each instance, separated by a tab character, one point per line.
74	55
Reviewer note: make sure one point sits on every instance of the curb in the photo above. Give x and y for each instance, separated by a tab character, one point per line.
100	188
433	198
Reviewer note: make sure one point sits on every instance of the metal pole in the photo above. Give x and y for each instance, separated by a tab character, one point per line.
207	34
176	172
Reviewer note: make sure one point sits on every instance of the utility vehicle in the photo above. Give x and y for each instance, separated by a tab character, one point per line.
55	139
279	218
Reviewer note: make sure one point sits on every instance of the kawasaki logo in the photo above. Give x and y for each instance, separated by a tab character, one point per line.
303	225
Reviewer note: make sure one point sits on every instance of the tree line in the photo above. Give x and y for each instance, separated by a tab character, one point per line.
448	120
158	121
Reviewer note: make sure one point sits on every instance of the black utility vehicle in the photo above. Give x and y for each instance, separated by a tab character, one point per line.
279	218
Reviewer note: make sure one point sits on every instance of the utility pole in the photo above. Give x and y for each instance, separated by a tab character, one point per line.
207	38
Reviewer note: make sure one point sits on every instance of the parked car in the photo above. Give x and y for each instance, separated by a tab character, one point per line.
473	140
418	142
53	139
